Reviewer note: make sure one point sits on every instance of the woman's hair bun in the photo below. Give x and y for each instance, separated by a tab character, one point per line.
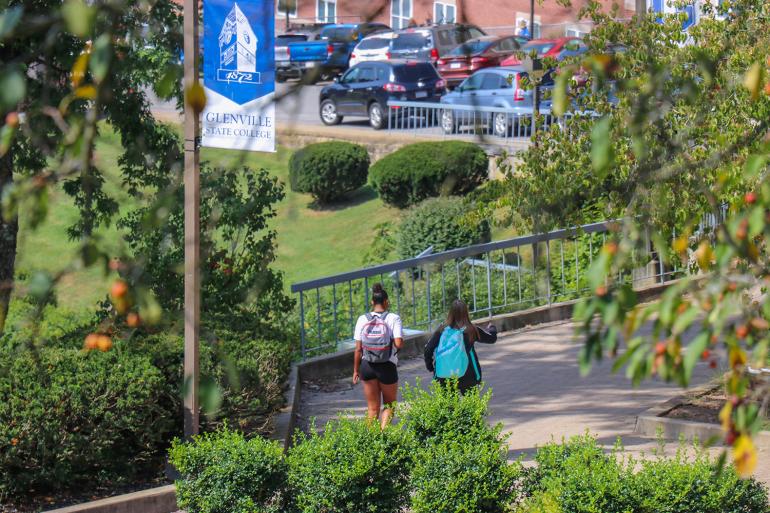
377	288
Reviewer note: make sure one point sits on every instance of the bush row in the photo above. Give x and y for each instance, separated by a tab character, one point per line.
71	419
331	170
443	456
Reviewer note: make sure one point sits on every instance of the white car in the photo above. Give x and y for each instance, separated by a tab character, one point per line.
372	48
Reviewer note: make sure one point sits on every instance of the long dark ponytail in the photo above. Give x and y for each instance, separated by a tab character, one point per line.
458	317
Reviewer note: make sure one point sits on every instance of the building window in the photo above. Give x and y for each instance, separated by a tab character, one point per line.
443	12
287	7
326	11
574	32
400	13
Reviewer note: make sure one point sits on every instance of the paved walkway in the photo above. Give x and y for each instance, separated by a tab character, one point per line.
538	394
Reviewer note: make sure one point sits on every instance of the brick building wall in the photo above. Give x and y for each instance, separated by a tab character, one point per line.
502	16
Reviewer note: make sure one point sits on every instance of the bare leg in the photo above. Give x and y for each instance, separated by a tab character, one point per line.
389	395
372	394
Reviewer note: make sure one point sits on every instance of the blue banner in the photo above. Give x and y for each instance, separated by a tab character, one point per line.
239	74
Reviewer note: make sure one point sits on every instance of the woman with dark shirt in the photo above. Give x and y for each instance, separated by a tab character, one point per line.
459	318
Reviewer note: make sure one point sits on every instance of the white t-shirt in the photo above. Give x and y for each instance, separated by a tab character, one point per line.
392	320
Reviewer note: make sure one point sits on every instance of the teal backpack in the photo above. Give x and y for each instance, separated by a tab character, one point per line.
451	357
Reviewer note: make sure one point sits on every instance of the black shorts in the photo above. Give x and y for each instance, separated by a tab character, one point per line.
385	372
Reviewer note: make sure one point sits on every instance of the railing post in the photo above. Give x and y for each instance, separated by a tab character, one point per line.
548	268
427	291
302	324
489	283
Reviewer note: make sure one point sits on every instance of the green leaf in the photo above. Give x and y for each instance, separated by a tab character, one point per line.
756	221
78	16
101	54
601	147
598	270
39	285
754	165
13	88
683	321
165	86
8	21
693	353
559	101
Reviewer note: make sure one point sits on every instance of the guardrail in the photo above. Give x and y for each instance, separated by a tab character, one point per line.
498	124
493	278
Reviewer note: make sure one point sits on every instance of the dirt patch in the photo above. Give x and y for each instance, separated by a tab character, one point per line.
705	406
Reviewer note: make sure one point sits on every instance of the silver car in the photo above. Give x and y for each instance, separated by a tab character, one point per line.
500	88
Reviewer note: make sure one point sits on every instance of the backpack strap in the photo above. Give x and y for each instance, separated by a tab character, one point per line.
369	316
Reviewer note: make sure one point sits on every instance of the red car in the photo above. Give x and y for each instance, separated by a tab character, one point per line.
474	54
544	48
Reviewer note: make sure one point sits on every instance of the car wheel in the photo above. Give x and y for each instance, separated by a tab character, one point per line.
328	111
448	123
376	116
500	124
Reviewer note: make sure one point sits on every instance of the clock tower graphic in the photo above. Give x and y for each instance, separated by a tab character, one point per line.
237	49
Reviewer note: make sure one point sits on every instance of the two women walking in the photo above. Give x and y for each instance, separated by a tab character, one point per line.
450	352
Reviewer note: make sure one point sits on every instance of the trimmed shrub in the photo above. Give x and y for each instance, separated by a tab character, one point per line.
442	412
681	485
222	472
353	467
69	418
463	475
249	372
438	222
428	169
328	170
578	476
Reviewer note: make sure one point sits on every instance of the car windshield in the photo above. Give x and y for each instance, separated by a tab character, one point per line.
470	48
411	41
414	72
374	43
289	38
540	48
339	34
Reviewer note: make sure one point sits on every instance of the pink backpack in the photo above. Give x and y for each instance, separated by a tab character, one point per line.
376	339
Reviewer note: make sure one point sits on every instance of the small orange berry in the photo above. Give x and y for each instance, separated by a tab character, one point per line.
104	343
742	331
119	289
91	342
133	320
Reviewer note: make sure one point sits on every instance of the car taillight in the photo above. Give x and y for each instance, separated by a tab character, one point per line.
477	61
329	50
388	55
394	88
433	54
441	62
518	95
352	56
288	52
441	84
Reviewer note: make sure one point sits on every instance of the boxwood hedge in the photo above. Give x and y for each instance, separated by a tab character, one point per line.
328	170
427	169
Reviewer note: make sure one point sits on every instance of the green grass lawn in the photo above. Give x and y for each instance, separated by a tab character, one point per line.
311	242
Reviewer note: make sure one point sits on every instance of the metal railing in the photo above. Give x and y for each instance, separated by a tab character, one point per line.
501	126
493	278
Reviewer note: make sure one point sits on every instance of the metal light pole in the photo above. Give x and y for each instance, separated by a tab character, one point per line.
641	8
532	19
191	224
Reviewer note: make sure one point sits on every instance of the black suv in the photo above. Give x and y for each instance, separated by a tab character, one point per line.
366	88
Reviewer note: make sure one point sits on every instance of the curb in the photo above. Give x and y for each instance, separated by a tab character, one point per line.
652	422
153	500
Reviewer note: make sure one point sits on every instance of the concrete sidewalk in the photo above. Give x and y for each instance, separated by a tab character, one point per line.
538	394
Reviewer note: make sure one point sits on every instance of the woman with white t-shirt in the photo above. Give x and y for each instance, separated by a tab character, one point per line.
378	337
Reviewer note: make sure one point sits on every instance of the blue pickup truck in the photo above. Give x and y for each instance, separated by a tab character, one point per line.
329	55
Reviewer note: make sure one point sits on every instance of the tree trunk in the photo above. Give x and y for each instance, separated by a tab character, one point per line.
9	229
